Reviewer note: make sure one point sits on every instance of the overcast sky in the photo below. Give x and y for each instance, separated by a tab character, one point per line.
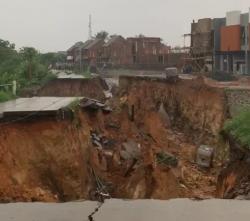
53	25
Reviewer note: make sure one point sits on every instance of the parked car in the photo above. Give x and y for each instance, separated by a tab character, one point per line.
172	74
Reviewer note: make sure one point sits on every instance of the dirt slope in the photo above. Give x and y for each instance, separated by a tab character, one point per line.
43	160
46	160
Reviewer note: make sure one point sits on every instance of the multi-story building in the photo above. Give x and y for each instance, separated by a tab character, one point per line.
148	52
138	52
85	53
231	50
116	52
201	47
224	42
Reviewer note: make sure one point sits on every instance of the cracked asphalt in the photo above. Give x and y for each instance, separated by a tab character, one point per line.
139	210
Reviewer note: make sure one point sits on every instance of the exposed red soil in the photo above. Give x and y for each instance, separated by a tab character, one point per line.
53	161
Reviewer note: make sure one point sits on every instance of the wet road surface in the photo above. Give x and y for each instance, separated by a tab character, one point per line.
119	210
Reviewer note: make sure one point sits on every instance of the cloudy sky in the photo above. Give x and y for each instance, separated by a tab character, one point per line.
53	25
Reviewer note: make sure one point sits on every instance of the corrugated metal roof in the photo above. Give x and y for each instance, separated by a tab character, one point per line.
63	75
36	104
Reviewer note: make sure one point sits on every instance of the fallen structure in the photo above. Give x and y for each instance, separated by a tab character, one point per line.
35	106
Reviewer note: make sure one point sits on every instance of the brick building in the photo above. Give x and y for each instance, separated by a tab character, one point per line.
116	52
148	52
92	52
139	52
85	53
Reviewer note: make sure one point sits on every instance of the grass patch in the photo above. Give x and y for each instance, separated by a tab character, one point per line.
239	127
5	96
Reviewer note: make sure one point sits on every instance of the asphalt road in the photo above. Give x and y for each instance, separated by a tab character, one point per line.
140	210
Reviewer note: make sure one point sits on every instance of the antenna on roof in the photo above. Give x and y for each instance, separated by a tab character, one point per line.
90	27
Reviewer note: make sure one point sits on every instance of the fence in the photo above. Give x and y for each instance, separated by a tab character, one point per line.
13	85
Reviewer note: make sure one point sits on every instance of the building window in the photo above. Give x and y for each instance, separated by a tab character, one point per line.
161	59
154	51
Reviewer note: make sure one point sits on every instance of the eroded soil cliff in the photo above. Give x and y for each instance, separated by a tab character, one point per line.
49	160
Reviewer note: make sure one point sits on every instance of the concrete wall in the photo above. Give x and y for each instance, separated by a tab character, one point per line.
201	38
233	18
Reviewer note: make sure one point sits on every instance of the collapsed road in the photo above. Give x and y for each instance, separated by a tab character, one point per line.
142	143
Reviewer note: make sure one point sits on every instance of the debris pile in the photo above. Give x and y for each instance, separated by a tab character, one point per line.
167	159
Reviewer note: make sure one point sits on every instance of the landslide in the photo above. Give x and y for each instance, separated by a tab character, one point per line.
49	160
43	160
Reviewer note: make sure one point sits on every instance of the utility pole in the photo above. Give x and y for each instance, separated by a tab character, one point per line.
14	87
90	27
246	49
80	59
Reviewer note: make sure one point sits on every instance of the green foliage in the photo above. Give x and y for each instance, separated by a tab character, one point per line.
74	105
166	159
102	35
87	73
27	66
4	96
48	59
239	127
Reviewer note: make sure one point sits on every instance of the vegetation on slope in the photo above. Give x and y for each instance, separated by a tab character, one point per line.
239	127
26	66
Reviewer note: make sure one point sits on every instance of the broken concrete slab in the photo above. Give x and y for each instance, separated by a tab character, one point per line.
94	105
35	105
205	156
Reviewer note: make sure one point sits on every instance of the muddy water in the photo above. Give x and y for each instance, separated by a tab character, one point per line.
140	210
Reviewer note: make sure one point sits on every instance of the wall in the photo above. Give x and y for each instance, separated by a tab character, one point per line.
201	38
231	38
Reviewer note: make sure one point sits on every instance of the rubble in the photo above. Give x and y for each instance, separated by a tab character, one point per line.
205	156
166	159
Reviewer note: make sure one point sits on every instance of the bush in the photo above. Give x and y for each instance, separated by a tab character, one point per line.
4	96
239	127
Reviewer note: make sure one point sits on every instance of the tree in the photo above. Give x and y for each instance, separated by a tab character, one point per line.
29	54
7	50
52	58
102	35
141	36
